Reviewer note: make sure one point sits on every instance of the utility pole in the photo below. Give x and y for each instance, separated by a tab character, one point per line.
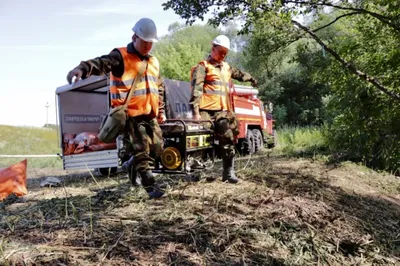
47	113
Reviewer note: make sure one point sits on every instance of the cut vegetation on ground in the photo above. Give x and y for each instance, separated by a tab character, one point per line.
284	212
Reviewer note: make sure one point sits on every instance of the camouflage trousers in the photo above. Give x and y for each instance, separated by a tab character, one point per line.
226	129
143	140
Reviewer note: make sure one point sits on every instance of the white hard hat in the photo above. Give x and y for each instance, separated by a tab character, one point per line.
146	29
223	41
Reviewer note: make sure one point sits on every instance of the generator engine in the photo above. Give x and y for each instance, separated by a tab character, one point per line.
188	146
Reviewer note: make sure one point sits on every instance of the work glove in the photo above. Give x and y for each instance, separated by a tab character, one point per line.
196	116
254	82
161	118
77	73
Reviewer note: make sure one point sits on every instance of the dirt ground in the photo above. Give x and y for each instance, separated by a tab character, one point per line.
283	212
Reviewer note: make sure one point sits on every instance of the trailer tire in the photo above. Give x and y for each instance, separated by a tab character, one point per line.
258	140
107	171
248	146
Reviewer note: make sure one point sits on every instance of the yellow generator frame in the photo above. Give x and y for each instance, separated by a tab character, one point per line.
188	144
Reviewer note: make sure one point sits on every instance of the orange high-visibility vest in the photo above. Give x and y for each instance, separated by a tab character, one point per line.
145	99
216	87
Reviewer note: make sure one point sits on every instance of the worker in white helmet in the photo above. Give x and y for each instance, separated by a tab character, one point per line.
210	82
146	107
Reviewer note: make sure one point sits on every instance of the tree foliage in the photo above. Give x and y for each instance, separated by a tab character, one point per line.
323	61
365	122
254	11
182	48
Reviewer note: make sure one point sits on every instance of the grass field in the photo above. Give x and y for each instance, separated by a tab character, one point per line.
291	141
29	141
285	211
296	141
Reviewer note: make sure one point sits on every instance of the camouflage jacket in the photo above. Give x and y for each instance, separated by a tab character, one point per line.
114	63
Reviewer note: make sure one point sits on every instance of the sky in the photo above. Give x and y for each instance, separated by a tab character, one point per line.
42	40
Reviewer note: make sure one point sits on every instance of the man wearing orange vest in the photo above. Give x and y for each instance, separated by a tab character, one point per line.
146	108
210	81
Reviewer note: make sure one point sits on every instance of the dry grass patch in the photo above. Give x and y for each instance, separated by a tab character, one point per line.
284	212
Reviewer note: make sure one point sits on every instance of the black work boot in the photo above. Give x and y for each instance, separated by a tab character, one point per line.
133	176
149	184
127	164
229	170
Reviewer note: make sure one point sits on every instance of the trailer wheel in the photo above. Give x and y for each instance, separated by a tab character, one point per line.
258	140
108	171
248	146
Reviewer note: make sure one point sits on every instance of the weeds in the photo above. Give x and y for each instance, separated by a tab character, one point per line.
283	212
295	141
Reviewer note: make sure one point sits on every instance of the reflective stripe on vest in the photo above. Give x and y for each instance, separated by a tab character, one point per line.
144	99
215	90
216	82
208	91
128	83
123	95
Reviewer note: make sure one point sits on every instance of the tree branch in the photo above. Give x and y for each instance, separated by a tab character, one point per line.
382	18
348	65
336	19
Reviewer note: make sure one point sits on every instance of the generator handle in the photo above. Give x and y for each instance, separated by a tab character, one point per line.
190	121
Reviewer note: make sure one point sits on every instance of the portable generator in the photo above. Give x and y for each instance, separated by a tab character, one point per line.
188	147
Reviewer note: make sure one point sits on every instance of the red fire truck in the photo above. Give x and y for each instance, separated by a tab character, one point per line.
255	120
81	105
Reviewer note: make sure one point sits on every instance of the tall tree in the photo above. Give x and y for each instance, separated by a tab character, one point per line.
182	48
252	11
361	35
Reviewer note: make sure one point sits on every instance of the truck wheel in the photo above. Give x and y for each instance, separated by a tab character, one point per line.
248	146
258	140
108	171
